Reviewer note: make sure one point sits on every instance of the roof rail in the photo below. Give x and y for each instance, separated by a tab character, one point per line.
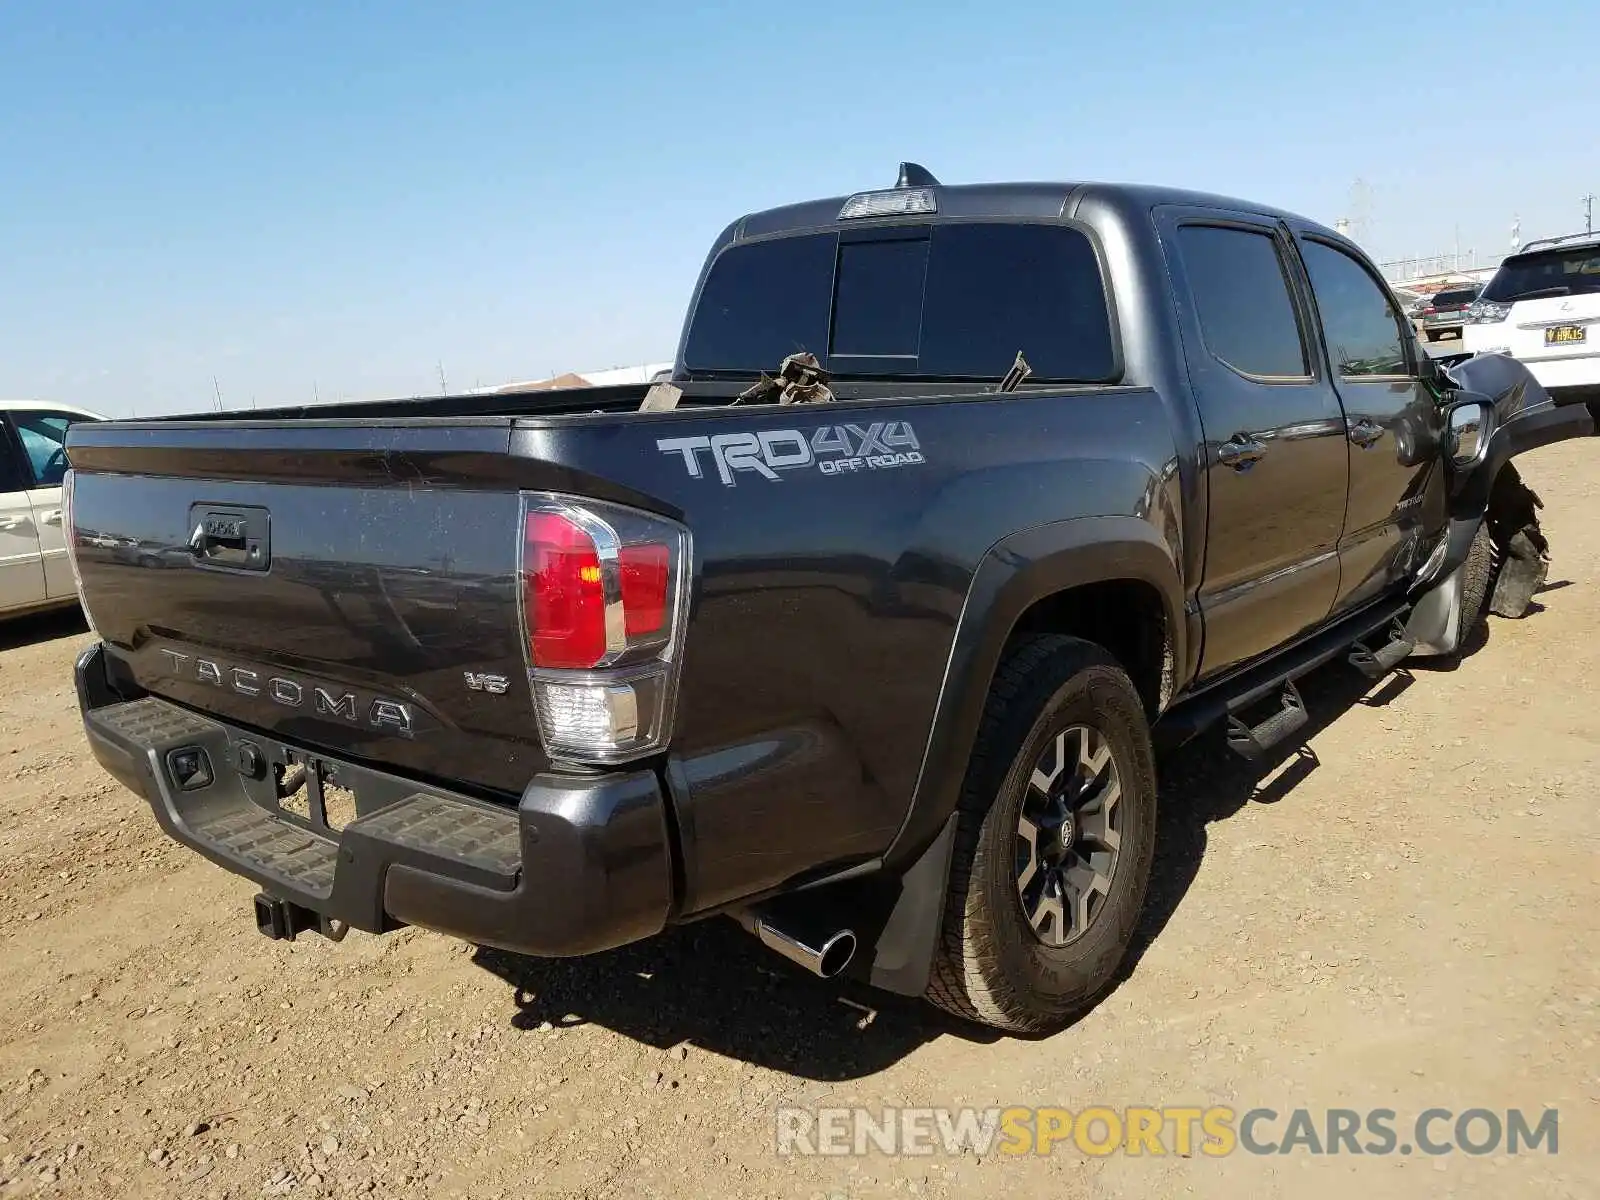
1537	243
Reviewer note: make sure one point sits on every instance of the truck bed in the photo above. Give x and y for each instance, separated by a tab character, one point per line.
826	597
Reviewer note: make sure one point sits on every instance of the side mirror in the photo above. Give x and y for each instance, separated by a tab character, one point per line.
1467	425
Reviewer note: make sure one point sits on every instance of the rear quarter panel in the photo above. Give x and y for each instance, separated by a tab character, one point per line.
828	600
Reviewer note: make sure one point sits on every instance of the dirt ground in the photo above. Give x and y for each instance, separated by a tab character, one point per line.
1401	915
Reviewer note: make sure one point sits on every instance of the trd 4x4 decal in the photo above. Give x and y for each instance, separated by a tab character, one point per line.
830	449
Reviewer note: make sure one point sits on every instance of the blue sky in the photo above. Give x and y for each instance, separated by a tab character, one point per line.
332	198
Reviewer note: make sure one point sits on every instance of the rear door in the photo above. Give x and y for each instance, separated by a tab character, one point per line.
21	573
1275	463
1389	414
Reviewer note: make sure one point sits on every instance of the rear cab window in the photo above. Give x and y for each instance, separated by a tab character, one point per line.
950	301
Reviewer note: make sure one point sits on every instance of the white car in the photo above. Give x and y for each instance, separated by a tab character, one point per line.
1543	309
34	570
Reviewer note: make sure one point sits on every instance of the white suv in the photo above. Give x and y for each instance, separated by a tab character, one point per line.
34	569
1543	309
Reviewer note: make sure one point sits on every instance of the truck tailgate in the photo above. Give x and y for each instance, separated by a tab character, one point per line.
339	585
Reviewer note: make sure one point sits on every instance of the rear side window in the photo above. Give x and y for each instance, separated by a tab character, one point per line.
1242	297
1358	319
1573	272
953	301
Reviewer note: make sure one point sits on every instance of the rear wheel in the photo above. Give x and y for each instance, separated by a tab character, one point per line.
1054	839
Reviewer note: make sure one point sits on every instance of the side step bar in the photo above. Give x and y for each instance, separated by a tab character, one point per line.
1375	664
1226	699
1253	741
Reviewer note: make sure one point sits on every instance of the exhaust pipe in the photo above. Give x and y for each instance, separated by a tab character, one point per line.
823	952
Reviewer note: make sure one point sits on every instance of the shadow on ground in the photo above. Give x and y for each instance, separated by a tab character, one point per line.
35	628
713	985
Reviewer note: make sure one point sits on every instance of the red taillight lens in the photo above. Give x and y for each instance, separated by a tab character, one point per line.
646	573
565	594
604	592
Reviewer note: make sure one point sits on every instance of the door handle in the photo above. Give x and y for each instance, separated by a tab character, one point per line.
10	524
53	517
1241	452
1365	433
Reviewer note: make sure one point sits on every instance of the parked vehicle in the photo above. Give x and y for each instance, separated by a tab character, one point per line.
865	630
1543	308
34	571
1411	303
1446	312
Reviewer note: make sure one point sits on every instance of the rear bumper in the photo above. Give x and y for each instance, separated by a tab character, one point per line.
1576	372
581	864
1576	369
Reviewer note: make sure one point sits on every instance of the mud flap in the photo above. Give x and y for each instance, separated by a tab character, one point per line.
902	955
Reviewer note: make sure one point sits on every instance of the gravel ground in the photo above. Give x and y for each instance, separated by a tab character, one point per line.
1402	914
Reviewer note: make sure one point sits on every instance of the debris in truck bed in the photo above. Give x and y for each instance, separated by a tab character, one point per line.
801	379
662	397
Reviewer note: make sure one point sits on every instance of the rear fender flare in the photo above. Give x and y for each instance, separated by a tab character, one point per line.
1014	574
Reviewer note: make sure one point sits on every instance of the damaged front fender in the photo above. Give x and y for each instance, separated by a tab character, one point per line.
1526	417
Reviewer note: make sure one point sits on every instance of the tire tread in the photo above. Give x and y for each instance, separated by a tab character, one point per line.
965	980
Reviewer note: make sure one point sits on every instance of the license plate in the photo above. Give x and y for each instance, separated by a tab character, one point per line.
1566	335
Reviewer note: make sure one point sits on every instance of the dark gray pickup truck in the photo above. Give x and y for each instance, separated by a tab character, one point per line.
865	629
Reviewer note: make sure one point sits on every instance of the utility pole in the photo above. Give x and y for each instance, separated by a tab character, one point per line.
1588	213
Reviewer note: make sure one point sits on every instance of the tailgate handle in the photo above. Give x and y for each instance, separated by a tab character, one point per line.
236	537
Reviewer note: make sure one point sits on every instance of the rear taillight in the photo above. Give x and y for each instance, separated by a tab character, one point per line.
1487	312
646	588
603	598
69	531
565	592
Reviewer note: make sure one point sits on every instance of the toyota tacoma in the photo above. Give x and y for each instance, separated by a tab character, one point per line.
864	628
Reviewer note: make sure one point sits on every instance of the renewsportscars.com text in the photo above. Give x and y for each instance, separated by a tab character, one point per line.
1214	1132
